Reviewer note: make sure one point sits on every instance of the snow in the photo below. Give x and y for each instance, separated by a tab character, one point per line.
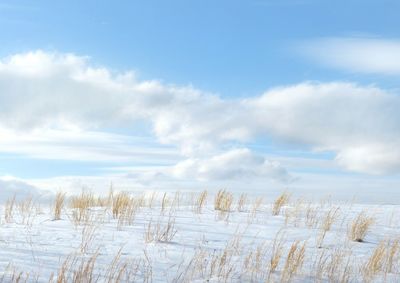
35	244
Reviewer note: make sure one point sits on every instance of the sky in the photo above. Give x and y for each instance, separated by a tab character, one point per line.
252	95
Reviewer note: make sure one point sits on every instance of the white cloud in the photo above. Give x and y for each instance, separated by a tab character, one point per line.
234	164
10	187
79	145
364	55
56	91
360	124
374	159
45	94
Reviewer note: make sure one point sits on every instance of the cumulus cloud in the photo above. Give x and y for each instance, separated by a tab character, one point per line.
234	164
364	55
41	89
360	124
10	187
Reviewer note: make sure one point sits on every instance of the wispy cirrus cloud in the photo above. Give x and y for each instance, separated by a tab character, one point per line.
356	54
85	145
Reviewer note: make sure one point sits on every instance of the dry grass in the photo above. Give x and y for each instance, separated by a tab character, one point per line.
25	206
200	202
257	204
326	224
254	209
223	201
77	270
393	251
223	204
207	266
319	266
281	201
294	261
221	263
160	231
242	259
294	212
120	203
83	201
254	264
360	226
21	212
241	205
311	215
275	254
338	267
9	209
88	235
58	205
164	203
83	270
81	216
128	215
81	205
13	275
150	203
26	210
124	208
382	261
376	262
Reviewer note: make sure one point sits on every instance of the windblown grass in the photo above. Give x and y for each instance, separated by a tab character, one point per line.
150	230
281	201
359	227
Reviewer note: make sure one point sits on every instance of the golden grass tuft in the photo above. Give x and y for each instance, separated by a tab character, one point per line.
81	204
276	254
200	202
392	255
281	201
83	201
294	261
376	262
337	267
58	205
326	224
120	203
160	231
223	201
125	208
360	226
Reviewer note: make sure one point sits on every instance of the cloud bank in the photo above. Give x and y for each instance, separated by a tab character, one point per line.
21	190
234	164
361	55
64	92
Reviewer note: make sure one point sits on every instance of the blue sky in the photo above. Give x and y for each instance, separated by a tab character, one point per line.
159	93
229	47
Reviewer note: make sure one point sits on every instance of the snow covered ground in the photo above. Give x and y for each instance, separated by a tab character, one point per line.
191	237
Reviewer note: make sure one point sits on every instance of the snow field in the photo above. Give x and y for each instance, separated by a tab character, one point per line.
197	237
